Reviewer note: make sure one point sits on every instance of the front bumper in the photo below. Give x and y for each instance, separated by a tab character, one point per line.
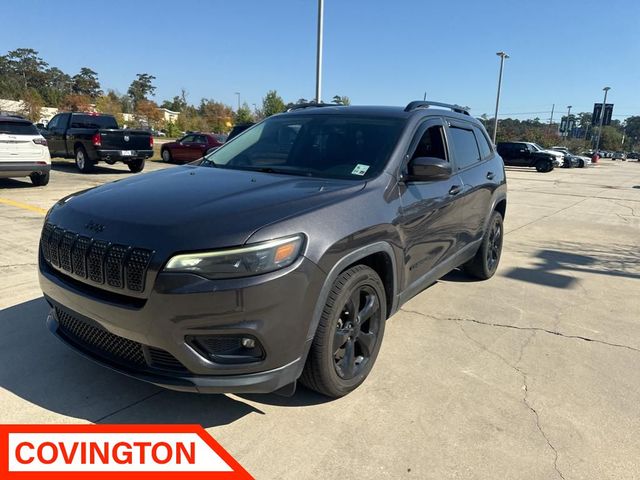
119	156
276	309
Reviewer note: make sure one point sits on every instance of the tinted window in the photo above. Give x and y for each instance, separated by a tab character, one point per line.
93	121
431	144
483	143
53	123
328	146
188	139
18	128
200	139
465	146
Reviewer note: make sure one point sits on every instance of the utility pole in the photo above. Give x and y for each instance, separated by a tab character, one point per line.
567	124
604	103
553	107
238	94
502	56
424	98
319	52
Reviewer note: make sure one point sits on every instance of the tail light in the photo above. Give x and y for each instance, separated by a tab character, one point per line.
151	142
40	141
97	140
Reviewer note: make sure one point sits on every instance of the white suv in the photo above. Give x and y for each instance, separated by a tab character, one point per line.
23	151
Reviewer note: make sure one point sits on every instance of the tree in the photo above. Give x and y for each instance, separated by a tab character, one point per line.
28	66
216	116
86	83
632	131
147	112
341	100
32	104
178	104
57	85
272	104
76	103
243	115
141	87
110	103
611	138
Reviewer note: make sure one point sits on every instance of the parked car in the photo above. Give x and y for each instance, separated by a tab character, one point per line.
527	154
619	156
571	160
280	255
633	156
238	129
189	148
23	151
90	138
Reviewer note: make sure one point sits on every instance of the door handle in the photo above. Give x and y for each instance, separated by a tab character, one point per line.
454	190
490	175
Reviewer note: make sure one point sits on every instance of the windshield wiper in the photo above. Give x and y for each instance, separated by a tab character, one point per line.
278	171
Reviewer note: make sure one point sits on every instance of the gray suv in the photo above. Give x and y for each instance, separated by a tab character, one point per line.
280	255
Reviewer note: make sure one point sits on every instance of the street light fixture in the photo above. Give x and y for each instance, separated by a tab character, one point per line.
604	103
502	56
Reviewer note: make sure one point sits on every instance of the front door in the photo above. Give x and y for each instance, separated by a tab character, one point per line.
430	219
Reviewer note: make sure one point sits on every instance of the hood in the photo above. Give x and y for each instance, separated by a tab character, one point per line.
192	208
554	153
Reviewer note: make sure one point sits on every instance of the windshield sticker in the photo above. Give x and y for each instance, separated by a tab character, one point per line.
360	169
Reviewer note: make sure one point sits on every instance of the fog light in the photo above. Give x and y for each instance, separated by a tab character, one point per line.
227	348
248	343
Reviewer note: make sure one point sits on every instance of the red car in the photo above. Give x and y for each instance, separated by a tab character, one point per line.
189	148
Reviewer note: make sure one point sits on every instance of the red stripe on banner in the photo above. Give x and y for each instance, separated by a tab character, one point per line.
48	435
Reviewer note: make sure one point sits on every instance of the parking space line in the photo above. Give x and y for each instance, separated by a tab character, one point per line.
24	206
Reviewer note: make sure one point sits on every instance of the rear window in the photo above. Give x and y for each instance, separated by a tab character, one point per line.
18	128
93	121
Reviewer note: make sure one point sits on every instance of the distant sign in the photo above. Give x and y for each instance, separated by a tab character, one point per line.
597	110
567	126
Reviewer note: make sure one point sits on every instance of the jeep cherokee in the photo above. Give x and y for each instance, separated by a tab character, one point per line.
280	255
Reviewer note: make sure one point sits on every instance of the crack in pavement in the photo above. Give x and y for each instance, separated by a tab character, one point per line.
537	329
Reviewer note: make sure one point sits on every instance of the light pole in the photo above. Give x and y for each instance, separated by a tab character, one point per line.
238	94
604	103
568	116
502	56
319	52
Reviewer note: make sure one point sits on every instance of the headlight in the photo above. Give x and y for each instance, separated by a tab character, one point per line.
240	262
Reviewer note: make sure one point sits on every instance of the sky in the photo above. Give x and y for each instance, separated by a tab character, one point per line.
562	52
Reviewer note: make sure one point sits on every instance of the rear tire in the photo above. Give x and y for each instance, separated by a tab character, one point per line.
485	263
581	164
39	179
544	166
349	335
82	160
136	165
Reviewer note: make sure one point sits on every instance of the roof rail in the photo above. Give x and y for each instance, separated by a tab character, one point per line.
299	106
426	104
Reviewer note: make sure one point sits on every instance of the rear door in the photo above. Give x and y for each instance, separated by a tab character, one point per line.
473	156
431	217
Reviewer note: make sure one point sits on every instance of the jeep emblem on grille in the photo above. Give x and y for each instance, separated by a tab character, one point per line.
126	138
94	227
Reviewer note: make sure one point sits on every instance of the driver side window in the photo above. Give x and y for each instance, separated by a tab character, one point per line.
432	144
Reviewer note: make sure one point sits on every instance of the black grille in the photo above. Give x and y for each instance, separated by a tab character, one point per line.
95	339
99	340
119	266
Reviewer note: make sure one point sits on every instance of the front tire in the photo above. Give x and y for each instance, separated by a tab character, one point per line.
137	165
82	160
39	179
349	335
581	164
485	263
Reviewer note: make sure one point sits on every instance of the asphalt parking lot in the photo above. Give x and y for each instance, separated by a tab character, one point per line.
530	375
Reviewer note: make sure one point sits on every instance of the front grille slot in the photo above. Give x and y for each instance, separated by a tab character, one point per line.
100	262
94	339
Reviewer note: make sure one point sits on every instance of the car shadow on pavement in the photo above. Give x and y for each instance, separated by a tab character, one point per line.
68	167
15	183
557	267
42	371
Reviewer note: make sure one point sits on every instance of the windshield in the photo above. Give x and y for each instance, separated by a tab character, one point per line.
18	128
327	146
93	121
537	147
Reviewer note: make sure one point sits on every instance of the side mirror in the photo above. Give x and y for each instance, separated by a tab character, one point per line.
429	168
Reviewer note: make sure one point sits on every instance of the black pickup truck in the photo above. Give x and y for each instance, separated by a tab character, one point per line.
90	138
